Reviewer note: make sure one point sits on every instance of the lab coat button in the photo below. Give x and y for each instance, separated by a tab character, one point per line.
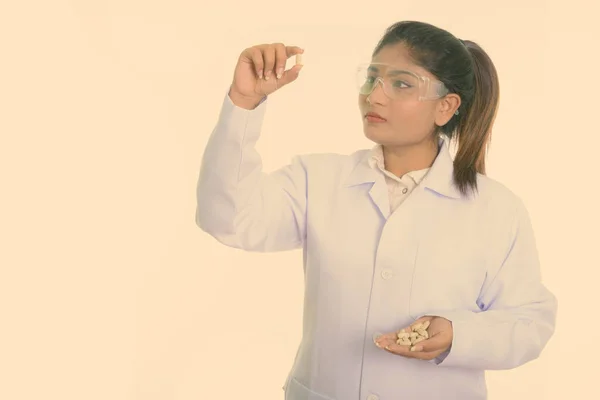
404	190
372	397
386	274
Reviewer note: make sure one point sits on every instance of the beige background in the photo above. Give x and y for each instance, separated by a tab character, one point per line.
108	290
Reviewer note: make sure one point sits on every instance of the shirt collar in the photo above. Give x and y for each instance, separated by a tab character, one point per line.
438	178
375	160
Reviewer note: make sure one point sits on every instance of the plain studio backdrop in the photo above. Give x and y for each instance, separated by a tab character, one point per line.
108	288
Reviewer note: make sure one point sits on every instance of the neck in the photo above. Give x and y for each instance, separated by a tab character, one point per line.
400	160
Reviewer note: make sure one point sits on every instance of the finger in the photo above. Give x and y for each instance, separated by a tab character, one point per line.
257	59
269	57
290	75
280	59
385	339
293	50
405	351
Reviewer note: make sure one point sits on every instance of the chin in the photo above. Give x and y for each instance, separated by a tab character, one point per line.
387	138
377	138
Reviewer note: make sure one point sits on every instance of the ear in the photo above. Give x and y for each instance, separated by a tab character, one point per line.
446	108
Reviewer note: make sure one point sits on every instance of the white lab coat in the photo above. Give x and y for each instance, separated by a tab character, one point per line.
470	260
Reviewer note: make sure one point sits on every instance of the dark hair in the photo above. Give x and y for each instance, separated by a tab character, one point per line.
466	69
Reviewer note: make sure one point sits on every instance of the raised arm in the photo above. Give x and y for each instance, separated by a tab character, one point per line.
237	202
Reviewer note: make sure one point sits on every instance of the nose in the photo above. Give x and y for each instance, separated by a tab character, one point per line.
374	92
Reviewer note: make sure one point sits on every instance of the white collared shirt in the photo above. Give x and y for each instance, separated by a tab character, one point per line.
398	187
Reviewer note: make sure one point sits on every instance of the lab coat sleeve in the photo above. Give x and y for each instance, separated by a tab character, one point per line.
518	313
237	203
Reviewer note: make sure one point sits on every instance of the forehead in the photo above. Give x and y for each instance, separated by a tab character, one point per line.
398	56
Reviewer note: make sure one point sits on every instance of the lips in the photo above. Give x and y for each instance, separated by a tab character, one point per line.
371	116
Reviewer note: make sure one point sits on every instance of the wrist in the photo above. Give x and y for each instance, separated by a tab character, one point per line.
248	103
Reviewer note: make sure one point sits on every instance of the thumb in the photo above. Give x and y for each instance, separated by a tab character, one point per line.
290	75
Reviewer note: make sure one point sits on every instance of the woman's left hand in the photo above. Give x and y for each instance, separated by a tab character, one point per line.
440	339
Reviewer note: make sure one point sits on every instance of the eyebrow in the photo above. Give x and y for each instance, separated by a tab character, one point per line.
394	72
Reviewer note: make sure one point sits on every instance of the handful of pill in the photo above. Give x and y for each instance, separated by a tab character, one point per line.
417	334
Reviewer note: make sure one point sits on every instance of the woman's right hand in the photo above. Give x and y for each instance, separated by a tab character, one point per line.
260	71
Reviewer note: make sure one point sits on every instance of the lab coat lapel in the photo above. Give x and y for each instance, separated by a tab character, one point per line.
439	179
380	197
363	174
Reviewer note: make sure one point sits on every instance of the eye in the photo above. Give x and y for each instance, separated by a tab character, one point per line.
401	84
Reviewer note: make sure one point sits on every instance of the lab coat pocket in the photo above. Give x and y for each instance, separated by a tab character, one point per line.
297	391
448	275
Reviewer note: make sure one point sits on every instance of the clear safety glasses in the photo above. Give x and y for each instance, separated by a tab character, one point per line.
398	84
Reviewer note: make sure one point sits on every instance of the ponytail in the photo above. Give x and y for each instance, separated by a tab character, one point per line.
474	128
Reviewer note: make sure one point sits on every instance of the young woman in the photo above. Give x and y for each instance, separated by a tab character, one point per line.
393	236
